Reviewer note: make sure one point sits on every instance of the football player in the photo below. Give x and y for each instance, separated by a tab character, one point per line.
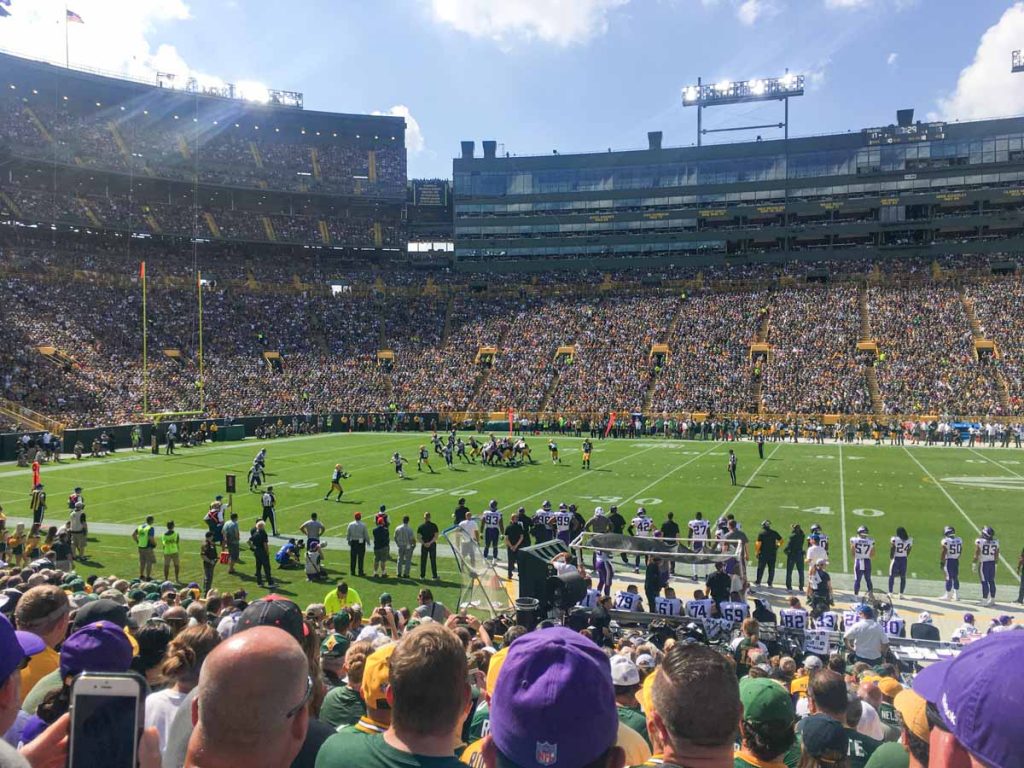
952	547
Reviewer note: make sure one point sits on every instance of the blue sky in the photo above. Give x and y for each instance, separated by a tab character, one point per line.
568	74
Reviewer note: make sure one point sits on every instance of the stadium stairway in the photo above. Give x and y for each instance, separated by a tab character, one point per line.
314	160
449	308
211	224
867	334
268	228
670	333
978	332
865	314
34	119
8	204
256	156
183	149
871	377
29	419
325	233
89	212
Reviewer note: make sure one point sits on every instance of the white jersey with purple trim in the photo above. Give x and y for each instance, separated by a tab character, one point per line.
643	525
953	546
901	547
668	606
862	547
822	539
793	618
829	620
734	612
894	627
699	609
590	599
563	520
987	549
627	601
699	531
542	516
491	519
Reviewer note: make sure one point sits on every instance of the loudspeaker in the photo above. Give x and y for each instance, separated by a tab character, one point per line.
534	570
565	590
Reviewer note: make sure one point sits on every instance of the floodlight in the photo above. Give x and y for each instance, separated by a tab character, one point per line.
788	81
723	87
757	87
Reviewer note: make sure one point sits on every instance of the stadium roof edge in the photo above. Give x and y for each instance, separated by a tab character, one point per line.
11	63
854	138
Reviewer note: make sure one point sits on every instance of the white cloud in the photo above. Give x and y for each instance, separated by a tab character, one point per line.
750	11
891	58
414	141
562	22
841	4
114	37
986	87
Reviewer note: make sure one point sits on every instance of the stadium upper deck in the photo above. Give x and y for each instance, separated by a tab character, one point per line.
923	189
94	151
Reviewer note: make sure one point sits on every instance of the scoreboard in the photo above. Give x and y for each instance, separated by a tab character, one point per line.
432	194
895	134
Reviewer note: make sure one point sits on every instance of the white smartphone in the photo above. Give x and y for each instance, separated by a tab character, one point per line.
107	713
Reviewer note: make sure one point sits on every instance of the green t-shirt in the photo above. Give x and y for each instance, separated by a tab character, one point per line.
888	714
47	683
480	724
358	750
634	718
861	748
342	706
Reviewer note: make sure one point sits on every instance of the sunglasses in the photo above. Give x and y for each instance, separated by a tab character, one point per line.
305	700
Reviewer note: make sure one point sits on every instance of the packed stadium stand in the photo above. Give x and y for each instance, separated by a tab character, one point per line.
674	281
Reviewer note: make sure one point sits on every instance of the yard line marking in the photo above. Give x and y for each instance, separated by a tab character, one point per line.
750	479
842	509
544	491
958	508
669	474
994	462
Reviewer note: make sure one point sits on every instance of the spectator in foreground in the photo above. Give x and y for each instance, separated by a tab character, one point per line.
181	666
344	705
971	700
915	732
695	707
429	697
823	743
44	611
766	730
236	721
827	695
548	679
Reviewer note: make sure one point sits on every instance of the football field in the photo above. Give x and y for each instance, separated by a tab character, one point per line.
839	486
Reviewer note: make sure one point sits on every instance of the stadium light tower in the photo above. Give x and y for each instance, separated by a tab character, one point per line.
1016	62
728	92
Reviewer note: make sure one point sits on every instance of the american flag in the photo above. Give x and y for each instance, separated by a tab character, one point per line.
74	18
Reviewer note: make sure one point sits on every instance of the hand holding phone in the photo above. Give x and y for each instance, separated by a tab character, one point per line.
106	720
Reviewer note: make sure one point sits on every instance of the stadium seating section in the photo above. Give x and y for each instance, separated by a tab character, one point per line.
84	300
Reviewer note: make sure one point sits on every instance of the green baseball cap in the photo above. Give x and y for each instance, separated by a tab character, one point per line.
334	646
764	700
892	754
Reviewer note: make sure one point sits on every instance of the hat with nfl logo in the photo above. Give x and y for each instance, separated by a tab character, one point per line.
549	678
975	694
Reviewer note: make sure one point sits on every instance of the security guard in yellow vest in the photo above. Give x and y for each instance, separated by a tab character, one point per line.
170	541
145	539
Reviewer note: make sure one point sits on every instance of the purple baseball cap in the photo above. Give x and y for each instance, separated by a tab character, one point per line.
549	679
99	647
973	694
15	647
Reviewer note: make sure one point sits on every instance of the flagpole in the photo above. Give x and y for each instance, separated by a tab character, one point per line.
67	56
145	374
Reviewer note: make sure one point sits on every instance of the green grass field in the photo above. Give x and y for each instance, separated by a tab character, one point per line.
840	487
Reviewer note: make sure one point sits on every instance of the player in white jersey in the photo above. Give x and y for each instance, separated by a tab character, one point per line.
699	607
862	547
899	550
629	600
986	552
794	617
699	528
563	521
494	528
643	527
590	599
952	547
669	605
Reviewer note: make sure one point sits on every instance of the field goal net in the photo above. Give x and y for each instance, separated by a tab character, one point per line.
480	586
696	551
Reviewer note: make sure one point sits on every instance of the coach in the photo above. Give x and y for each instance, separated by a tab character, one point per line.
427	533
356	535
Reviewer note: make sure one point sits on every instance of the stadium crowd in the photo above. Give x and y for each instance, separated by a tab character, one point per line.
344	683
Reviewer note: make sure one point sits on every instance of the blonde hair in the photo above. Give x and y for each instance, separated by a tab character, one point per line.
355	661
186	653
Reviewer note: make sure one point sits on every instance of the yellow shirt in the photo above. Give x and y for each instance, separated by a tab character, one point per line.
333	603
40	665
631	742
